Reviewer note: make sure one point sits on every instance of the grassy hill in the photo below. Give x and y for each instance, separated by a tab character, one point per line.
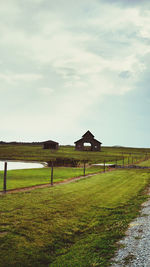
37	153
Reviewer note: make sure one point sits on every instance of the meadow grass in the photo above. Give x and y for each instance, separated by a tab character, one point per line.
71	225
30	177
37	153
145	163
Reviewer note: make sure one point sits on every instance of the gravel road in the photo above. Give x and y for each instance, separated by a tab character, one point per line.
135	247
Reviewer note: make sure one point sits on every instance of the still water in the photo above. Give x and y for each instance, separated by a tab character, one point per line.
15	165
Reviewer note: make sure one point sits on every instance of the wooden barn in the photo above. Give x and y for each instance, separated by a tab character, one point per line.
88	138
50	145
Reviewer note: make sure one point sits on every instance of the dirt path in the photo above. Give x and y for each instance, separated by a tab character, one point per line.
11	191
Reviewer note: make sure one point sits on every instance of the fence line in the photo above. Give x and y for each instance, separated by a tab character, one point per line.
126	163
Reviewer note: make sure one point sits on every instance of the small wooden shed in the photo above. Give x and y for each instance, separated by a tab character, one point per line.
50	145
88	137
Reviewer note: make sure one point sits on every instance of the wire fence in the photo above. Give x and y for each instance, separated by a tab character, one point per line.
126	161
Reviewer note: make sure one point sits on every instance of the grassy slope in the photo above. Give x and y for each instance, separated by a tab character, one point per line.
30	177
37	153
145	163
70	225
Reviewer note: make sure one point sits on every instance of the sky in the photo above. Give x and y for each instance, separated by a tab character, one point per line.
70	66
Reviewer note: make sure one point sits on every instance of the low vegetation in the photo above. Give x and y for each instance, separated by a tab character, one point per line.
70	225
74	224
145	163
31	177
37	153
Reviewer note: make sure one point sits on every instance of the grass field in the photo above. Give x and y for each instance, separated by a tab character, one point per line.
37	153
75	224
145	163
31	177
25	178
70	225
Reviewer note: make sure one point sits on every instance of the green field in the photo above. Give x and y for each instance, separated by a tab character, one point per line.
26	178
145	163
37	153
73	225
31	177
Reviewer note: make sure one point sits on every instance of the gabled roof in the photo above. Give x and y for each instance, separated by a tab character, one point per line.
87	136
50	142
97	141
88	133
78	140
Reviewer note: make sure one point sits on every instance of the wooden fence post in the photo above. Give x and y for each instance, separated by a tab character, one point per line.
52	165
84	167
5	176
104	165
123	161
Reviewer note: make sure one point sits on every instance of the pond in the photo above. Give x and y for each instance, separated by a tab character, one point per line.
102	164
15	165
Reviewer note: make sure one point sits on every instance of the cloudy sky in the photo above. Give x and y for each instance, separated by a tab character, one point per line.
70	66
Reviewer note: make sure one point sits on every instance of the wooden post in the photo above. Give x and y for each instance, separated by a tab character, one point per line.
123	161
52	165
84	167
5	176
104	165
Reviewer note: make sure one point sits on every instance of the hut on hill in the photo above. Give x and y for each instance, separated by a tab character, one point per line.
50	145
88	138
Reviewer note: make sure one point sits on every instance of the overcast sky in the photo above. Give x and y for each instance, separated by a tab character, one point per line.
70	66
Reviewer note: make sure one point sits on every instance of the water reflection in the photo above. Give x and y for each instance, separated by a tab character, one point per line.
15	165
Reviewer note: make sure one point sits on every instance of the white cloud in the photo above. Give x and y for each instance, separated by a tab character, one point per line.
84	52
17	77
46	90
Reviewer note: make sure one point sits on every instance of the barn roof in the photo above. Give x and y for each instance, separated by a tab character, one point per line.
78	140
97	141
50	142
88	133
